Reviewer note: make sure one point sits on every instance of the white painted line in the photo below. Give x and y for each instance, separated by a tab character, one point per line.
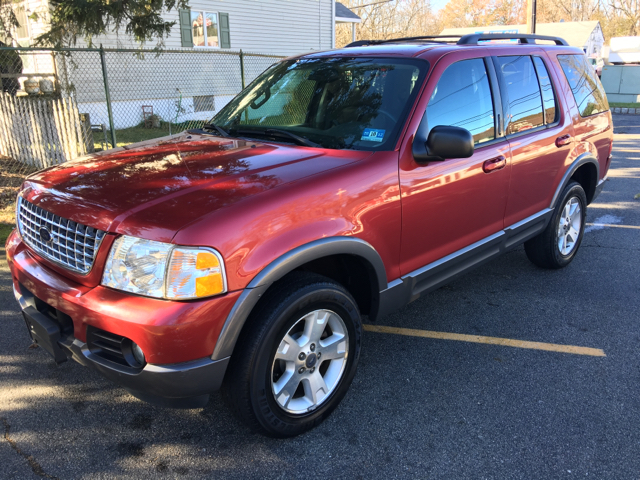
602	222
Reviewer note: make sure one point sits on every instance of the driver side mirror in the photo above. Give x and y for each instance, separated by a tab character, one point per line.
443	142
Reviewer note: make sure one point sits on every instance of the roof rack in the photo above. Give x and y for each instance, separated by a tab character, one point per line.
527	38
432	38
469	39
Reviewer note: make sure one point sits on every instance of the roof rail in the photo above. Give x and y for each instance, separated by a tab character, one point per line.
469	39
527	38
432	38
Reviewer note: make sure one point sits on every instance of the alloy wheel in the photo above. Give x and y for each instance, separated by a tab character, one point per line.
310	361
569	226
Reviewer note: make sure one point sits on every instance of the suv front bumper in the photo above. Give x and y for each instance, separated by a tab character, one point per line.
178	338
180	385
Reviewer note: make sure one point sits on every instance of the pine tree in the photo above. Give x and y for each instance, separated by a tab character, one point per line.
140	19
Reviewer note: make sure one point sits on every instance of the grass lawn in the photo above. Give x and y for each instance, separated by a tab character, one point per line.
5	230
127	136
624	105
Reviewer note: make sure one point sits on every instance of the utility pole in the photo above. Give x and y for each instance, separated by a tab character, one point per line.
531	16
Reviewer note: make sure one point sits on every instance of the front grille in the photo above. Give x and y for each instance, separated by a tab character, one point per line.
67	243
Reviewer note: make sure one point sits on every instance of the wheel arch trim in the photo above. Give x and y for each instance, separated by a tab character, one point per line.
278	268
583	159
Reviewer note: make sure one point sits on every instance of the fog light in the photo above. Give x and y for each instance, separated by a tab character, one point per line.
138	354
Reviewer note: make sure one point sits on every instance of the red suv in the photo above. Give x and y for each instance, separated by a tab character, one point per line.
243	256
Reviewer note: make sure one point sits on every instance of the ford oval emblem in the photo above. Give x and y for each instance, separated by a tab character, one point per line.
45	235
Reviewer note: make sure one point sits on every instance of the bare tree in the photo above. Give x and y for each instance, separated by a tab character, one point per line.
629	11
384	19
578	10
481	13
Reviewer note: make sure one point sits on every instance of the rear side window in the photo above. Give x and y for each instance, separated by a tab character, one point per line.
585	86
548	98
523	92
462	98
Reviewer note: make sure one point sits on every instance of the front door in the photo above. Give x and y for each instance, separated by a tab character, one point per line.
448	205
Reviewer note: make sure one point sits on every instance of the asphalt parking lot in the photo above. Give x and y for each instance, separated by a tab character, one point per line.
419	407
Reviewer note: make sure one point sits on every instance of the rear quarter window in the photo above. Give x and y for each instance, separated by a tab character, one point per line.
585	86
548	97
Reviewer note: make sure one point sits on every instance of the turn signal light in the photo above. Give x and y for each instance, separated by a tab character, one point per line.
194	273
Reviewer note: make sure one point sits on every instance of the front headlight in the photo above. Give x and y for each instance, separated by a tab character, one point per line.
163	270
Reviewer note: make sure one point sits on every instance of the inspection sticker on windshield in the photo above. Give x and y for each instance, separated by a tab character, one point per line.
372	135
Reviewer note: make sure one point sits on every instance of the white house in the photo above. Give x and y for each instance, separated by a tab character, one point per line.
187	85
278	27
585	35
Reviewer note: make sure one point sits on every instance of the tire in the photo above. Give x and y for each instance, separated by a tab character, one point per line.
273	383
558	244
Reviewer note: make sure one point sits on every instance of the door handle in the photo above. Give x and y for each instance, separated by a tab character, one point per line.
494	164
563	140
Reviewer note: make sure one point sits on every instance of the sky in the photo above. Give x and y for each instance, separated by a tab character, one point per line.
438	4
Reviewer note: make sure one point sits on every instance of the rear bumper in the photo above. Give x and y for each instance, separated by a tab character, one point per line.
180	385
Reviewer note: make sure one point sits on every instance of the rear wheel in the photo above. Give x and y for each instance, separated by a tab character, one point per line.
296	357
558	244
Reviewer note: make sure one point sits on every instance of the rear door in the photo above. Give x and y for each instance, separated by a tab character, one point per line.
448	205
538	131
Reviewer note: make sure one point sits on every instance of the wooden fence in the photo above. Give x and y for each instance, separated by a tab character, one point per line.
40	131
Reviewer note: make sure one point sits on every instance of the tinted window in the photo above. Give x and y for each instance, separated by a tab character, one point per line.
462	98
548	98
523	92
587	89
358	103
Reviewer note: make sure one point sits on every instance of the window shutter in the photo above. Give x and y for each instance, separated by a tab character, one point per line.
186	34
225	36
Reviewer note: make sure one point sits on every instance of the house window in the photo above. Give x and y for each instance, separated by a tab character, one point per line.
205	103
205	29
22	31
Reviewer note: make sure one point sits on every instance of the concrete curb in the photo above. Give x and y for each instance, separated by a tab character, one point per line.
626	111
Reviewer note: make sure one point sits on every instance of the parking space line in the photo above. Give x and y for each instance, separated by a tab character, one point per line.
505	342
612	225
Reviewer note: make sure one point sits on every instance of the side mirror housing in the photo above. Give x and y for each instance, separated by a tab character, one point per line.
443	142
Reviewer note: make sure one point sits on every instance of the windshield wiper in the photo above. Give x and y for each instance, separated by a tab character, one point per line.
297	138
276	132
211	126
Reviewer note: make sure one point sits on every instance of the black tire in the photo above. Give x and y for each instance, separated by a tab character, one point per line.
247	388
543	250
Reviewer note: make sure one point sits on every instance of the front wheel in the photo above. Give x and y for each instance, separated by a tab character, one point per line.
558	244
296	357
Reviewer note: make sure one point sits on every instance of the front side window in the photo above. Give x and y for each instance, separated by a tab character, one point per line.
205	29
523	93
462	98
343	103
585	86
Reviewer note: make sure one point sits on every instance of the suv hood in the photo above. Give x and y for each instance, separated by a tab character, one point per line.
152	189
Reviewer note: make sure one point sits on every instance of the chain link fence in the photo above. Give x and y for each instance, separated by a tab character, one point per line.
58	104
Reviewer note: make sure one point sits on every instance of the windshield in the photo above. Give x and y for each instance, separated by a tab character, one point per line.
341	103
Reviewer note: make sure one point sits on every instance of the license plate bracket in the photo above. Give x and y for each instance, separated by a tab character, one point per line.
45	332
